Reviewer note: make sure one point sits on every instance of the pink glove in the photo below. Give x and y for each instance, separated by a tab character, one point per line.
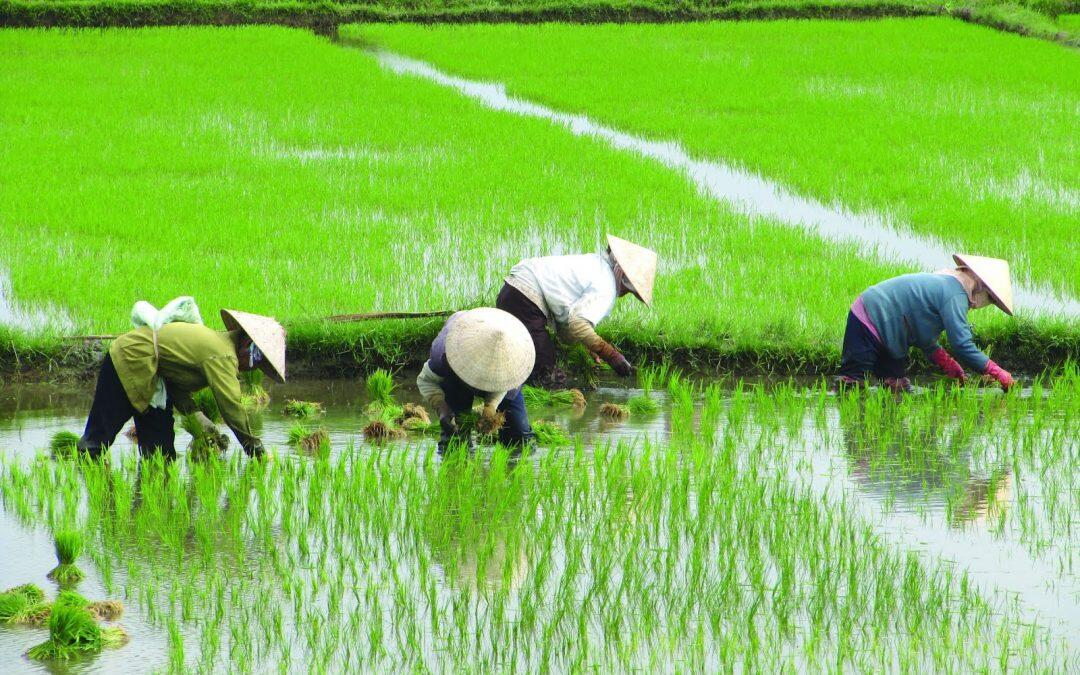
1000	374
948	364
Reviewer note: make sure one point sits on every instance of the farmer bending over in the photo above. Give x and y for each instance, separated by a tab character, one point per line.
576	292
912	310
188	357
483	353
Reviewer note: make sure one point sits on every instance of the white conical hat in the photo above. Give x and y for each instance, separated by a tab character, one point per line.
638	264
489	349
266	333
994	274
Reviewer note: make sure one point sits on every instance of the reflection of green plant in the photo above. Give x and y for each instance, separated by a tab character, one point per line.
72	632
68	545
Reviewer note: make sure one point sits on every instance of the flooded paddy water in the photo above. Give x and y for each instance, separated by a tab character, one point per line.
772	524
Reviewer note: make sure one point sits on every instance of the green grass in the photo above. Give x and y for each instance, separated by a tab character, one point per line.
891	116
348	172
710	552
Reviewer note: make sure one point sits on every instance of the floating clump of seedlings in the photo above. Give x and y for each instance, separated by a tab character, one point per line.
204	443
206	404
614	411
303	409
643	405
73	632
312	441
106	610
380	389
415	417
68	546
64	444
253	392
550	434
379	431
540	397
16	603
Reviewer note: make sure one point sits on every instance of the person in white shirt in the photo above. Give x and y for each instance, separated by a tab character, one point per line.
485	353
575	293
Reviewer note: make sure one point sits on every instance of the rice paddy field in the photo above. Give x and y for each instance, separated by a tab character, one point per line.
717	514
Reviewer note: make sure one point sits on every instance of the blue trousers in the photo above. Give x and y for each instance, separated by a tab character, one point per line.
516	431
862	353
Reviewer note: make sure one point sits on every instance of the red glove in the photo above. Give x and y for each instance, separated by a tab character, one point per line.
1000	374
948	364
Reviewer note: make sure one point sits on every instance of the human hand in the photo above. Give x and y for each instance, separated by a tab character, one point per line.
948	364
1004	378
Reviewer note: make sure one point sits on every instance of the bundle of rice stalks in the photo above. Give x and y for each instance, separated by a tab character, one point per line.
414	417
207	404
380	388
551	435
204	443
68	545
315	441
15	602
643	405
72	632
64	444
540	397
488	425
254	395
106	610
614	411
378	431
303	408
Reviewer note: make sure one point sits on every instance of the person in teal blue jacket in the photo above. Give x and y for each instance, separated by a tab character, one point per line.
912	310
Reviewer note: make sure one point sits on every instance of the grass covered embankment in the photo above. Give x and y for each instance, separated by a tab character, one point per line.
164	162
1036	18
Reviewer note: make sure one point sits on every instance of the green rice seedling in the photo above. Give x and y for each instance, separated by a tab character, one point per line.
303	409
204	444
64	444
14	601
642	405
536	397
68	546
614	411
380	388
551	435
73	632
312	441
254	394
206	404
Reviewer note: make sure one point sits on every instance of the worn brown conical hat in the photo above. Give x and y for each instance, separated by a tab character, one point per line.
994	274
489	349
266	333
638	264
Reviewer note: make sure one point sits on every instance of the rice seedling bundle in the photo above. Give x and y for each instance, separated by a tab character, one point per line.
206	404
204	444
642	405
614	411
68	546
64	444
254	394
378	431
380	388
550	434
309	440
303	409
73	632
540	397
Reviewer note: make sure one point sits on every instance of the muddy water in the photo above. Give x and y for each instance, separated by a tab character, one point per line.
875	234
908	509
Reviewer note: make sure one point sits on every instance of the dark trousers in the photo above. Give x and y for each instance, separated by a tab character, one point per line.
516	431
111	410
862	354
513	301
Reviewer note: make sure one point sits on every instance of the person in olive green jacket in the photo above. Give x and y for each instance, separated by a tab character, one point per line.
187	357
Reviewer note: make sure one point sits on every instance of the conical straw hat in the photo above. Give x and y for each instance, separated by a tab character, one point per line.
994	274
639	265
489	349
266	333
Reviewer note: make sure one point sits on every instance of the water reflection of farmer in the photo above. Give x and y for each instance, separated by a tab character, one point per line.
916	464
480	353
576	292
912	310
187	357
473	524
